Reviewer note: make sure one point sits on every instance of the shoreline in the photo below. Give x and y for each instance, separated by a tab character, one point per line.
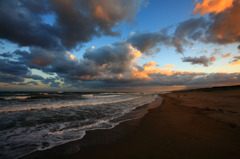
200	123
126	125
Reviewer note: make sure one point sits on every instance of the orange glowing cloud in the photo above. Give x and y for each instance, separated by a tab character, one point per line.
235	63
120	76
72	57
227	29
99	13
169	66
140	75
216	6
134	53
227	55
150	64
84	77
150	69
212	59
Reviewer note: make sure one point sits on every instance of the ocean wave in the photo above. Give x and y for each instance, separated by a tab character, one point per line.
29	131
60	105
45	94
88	95
16	97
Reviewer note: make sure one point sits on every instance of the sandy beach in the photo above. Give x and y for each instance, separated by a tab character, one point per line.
195	124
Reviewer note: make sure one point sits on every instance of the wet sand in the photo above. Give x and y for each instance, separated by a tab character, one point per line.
196	124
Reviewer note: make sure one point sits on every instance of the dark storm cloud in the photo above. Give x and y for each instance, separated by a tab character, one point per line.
18	24
185	32
188	30
221	28
12	71
116	58
71	25
68	68
48	80
8	78
93	71
202	60
97	63
58	62
55	84
13	67
51	81
145	42
16	70
36	58
29	83
101	63
76	21
34	77
6	55
109	13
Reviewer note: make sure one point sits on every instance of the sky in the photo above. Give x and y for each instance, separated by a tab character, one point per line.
118	45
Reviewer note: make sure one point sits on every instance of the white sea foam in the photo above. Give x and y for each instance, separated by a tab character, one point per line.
61	105
88	95
48	125
45	94
16	97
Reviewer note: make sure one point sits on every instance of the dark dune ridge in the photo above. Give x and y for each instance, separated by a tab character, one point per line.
199	124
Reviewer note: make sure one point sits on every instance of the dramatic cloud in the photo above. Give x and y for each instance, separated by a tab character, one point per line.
145	42
220	28
6	55
12	71
51	81
105	67
29	83
50	44
36	58
24	27
116	58
188	30
105	63
13	67
8	78
76	21
202	60
224	28
216	6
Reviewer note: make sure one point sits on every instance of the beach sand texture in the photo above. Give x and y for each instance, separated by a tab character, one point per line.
196	124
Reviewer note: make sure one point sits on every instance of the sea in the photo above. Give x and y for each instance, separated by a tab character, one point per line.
31	121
